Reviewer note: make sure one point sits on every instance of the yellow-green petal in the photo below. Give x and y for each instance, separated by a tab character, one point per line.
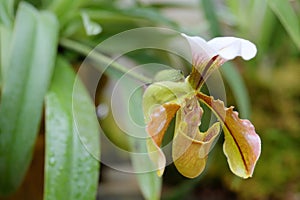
190	154
160	119
163	92
242	145
190	146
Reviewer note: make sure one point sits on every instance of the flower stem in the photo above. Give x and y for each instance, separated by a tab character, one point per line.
99	57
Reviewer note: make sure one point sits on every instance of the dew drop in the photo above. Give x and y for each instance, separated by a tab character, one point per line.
52	161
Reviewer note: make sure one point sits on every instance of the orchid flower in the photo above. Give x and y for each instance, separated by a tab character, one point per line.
163	100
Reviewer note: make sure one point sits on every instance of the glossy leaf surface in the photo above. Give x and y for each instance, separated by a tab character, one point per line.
30	64
5	40
6	12
71	172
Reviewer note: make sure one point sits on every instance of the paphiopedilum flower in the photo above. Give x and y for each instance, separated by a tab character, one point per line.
208	56
164	99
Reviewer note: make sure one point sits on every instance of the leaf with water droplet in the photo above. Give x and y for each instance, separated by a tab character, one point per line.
67	159
26	71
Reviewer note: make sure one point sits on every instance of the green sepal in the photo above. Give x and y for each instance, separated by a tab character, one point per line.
162	92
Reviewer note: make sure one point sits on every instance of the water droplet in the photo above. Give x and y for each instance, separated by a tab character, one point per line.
52	161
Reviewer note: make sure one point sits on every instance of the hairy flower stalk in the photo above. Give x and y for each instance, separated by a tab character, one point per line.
164	99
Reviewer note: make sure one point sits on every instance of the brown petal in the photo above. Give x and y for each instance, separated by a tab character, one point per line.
242	145
160	119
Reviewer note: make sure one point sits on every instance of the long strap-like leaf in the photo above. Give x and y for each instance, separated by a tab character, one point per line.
26	80
6	12
71	171
288	18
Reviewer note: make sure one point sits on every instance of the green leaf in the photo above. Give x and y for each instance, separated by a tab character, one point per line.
150	185
145	171
149	182
71	172
239	90
6	12
242	145
30	66
63	9
151	14
5	40
211	17
289	19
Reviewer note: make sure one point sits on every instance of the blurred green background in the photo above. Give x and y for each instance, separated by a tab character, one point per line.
265	90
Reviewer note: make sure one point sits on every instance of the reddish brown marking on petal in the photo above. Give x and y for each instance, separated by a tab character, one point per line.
197	78
242	145
160	120
248	142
